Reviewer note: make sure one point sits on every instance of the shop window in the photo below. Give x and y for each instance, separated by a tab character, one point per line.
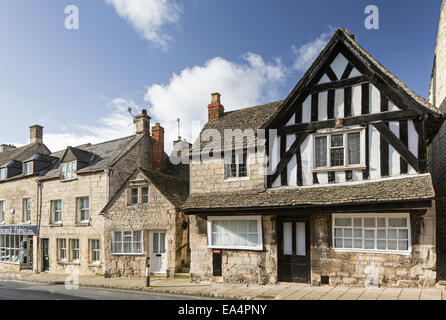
13	249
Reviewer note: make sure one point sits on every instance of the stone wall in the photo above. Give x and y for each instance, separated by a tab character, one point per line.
93	186
238	266
417	269
209	176
158	215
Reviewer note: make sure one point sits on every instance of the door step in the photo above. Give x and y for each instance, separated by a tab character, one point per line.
182	275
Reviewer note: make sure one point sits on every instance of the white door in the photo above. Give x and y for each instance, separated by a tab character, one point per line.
158	257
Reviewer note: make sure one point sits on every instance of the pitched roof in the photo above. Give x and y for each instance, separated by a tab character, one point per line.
249	118
80	154
391	190
106	154
174	189
23	153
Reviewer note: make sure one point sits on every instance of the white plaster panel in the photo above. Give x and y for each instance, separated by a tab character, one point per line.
306	151
355	73
356	101
413	143
322	108
375	99
322	177
340	176
324	79
394	157
338	65
292	171
339	104
306	110
375	160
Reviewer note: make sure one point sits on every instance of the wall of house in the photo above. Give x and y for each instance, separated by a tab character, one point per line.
13	192
93	186
208	176
139	156
374	142
343	268
157	215
238	266
437	94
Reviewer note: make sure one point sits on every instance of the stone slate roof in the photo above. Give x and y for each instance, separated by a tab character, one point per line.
175	190
81	155
249	118
106	154
373	192
23	153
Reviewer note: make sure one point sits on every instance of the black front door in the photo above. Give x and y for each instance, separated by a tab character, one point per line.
45	256
294	247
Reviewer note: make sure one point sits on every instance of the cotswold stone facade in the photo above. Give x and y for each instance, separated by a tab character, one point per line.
159	214
349	199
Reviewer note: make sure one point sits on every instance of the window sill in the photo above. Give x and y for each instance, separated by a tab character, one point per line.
82	224
94	264
68	180
52	225
237	179
399	253
72	263
336	169
127	254
236	248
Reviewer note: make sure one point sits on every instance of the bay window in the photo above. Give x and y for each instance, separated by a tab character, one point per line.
389	233
242	232
338	149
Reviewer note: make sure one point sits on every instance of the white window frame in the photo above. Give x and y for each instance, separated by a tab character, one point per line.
227	159
148	195
95	250
344	132
79	210
53	211
122	253
72	249
28	168
2	211
131	203
373	215
68	170
3	174
258	219
26	210
60	248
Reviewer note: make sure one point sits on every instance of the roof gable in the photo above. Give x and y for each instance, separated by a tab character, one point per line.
343	62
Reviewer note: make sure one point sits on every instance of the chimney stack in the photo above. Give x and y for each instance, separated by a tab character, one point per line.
157	147
142	122
215	109
35	134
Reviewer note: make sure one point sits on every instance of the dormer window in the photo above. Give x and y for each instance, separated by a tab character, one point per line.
27	168
3	174
68	170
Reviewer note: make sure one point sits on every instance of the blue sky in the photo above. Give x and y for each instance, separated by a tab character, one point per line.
168	56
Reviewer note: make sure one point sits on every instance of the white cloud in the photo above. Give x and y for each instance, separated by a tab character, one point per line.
306	54
187	94
116	124
149	17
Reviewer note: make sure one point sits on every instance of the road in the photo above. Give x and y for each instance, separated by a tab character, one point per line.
21	290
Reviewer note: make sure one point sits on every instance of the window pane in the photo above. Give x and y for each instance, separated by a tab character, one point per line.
403	245
118	236
348	233
369	222
162	242
300	239
337	140
253	239
354	148
348	243
321	152
381	234
403	234
369	234
155	243
369	244
357	222
338	243
337	157
397	222
392	234
253	226
381	222
381	244
358	233
358	244
392	245
338	232
145	195
343	222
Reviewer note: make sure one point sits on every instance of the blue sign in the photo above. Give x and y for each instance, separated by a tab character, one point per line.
28	230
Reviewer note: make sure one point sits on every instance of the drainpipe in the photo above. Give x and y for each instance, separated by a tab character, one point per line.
39	218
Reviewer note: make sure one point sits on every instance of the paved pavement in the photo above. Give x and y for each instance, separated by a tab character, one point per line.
24	290
281	291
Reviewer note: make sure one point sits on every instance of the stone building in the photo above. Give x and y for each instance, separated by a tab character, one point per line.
437	97
51	203
330	185
144	219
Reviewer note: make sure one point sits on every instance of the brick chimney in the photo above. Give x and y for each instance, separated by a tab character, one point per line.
157	147
215	109
35	134
142	122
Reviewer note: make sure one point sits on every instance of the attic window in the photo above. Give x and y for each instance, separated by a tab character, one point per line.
68	170
28	168
3	174
236	164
